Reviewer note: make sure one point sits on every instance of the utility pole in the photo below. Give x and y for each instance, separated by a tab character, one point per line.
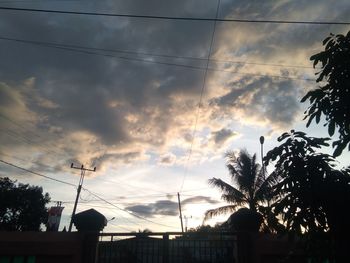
182	225
262	139
82	169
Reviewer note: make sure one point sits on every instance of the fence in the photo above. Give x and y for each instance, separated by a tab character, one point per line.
170	247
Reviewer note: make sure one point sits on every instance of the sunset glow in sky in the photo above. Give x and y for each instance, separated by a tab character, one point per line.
132	97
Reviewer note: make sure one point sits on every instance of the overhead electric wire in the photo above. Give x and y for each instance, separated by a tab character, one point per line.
120	217
16	123
177	18
85	189
38	174
113	198
31	132
124	228
127	211
14	157
58	46
33	1
140	53
28	141
62	47
201	96
99	199
121	183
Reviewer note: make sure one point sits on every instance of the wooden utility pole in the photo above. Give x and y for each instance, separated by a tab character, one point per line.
78	190
182	225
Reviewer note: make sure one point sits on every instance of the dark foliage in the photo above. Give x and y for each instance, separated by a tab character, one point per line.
205	229
245	219
313	194
22	207
306	177
332	98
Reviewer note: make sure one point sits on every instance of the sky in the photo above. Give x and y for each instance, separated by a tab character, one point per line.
153	104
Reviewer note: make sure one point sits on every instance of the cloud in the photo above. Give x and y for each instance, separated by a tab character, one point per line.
167	159
262	101
221	136
199	199
167	207
14	103
161	207
92	108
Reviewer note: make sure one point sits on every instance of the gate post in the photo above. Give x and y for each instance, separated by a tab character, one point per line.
245	247
165	248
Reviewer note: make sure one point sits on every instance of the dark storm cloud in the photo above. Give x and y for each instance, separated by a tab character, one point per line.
161	207
82	85
264	99
264	41
221	136
167	207
199	199
124	102
167	159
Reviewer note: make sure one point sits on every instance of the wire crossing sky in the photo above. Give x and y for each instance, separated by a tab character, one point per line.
119	84
175	18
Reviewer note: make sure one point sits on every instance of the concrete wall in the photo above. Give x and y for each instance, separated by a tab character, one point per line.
42	247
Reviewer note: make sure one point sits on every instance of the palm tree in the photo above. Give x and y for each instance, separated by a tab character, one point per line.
253	188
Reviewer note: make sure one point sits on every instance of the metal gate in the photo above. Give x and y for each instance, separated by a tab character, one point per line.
170	247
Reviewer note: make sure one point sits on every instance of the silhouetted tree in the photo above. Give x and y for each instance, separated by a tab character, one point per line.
253	189
245	219
22	207
204	229
303	173
313	194
332	98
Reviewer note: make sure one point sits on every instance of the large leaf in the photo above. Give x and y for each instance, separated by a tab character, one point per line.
331	99
331	127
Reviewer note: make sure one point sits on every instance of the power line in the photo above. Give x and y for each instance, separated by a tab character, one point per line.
85	189
17	158
32	172
139	53
115	198
28	131
120	217
25	139
200	100
121	183
175	18
32	1
124	228
60	181
122	209
167	63
16	123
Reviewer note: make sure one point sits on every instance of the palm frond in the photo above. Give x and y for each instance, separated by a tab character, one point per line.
266	186
243	169
222	185
260	177
230	193
219	211
235	198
